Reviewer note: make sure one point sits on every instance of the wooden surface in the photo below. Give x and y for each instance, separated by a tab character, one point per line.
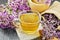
8	34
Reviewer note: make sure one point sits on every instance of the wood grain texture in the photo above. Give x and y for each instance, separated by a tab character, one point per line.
8	34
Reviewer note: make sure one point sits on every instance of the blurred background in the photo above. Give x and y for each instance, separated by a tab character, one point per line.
3	1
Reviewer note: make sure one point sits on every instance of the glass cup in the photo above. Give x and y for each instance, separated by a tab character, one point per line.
29	22
39	5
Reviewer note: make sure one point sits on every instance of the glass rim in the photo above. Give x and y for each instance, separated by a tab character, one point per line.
39	4
39	15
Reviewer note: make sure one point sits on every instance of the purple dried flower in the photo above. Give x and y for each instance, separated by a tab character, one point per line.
6	20
19	5
48	2
50	24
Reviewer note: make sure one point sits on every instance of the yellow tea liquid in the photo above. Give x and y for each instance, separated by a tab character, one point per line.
38	5
29	22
